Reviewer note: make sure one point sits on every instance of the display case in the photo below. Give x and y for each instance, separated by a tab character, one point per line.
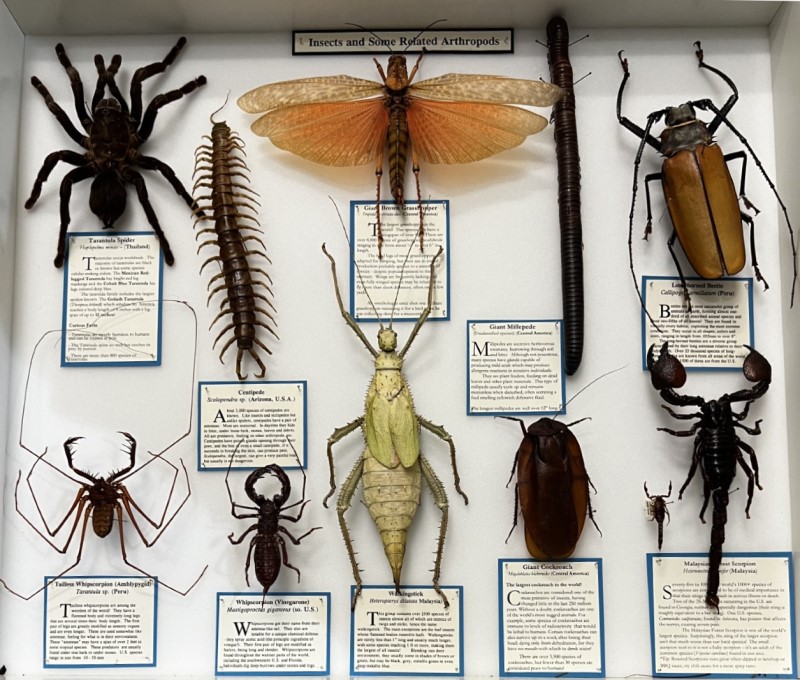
503	264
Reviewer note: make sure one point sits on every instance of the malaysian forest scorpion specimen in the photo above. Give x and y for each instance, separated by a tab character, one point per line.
717	447
392	463
113	135
230	204
267	547
657	510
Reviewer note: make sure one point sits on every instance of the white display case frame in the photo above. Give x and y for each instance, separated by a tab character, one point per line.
495	205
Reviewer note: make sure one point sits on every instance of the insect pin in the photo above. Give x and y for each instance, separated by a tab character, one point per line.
657	510
348	121
112	136
392	466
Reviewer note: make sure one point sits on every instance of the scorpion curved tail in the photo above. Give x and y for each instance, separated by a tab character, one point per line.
719	518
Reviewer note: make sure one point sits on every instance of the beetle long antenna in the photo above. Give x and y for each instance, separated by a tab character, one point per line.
651	119
355	262
400	282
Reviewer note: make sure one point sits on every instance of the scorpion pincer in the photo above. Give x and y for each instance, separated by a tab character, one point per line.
717	447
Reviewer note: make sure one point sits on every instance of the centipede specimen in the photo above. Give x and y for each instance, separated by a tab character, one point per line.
569	193
232	207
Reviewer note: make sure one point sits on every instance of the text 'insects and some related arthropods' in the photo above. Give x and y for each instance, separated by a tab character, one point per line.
392	464
267	547
569	193
698	189
101	498
113	134
348	121
552	488
657	510
717	447
230	205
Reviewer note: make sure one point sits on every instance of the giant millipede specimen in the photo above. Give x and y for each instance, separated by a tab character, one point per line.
221	166
569	193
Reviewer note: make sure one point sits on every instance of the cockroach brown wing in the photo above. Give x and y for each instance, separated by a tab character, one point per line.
553	489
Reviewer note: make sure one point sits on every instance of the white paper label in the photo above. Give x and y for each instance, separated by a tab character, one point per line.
551	620
752	633
402	257
514	367
282	634
260	415
411	633
103	621
714	333
111	299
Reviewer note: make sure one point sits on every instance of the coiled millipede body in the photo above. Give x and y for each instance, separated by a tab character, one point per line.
231	205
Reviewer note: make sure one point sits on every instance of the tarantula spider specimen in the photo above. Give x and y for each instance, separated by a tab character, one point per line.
114	133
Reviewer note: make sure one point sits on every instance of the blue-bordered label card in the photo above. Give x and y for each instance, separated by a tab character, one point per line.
752	634
412	633
397	283
246	425
276	634
515	368
712	334
112	300
100	621
551	618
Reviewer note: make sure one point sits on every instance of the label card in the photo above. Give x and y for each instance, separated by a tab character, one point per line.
401	258
282	634
112	300
712	335
256	416
514	367
408	634
551	618
451	40
100	621
752	634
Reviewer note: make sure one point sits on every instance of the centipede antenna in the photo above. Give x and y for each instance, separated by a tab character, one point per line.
224	104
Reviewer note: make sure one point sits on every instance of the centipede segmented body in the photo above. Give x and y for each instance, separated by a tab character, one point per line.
231	205
569	192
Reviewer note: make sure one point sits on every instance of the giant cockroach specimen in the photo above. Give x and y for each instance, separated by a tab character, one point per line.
347	121
102	498
114	133
657	510
717	447
267	547
225	197
392	462
552	488
698	188
569	193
